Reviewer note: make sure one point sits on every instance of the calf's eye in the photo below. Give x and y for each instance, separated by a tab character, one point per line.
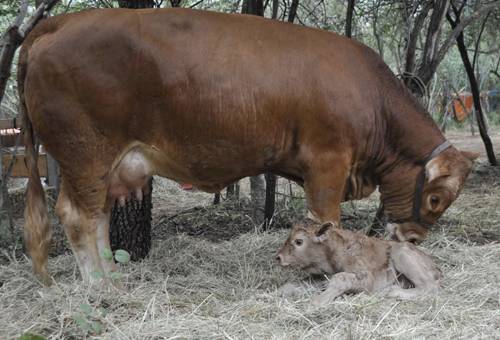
299	242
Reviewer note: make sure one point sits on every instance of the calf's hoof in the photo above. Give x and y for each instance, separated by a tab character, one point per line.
319	301
289	290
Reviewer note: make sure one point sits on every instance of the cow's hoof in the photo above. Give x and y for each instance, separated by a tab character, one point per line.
45	279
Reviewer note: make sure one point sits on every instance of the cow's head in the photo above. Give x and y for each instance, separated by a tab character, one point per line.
445	175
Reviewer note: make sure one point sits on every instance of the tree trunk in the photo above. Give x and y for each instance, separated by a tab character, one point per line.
254	7
233	191
217	198
174	3
130	226
293	10
136	3
258	196
348	19
271	180
274	14
14	36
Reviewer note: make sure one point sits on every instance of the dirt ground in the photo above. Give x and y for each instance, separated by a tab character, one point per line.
467	142
211	275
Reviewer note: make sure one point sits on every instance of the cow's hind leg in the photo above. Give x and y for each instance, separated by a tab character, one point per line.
87	227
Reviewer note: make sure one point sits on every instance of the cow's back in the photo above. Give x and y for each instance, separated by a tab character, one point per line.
202	87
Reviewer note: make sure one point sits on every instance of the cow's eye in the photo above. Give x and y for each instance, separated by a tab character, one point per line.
434	201
299	242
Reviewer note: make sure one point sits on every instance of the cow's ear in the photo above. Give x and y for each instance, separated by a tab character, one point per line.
322	233
436	168
470	155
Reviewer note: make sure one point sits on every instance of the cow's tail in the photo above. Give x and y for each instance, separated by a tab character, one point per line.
37	231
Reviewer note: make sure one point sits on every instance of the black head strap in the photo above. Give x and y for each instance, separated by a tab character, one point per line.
419	186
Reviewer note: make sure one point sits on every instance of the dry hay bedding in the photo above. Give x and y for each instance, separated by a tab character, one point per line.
191	287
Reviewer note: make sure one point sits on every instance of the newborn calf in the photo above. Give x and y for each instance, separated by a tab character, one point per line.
358	262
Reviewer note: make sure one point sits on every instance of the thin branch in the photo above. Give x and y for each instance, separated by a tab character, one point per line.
66	9
461	26
478	40
196	3
22	13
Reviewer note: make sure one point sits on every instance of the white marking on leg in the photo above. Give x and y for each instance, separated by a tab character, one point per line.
138	194
311	216
103	243
122	201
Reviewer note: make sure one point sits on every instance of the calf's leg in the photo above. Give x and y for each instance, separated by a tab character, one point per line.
417	267
342	283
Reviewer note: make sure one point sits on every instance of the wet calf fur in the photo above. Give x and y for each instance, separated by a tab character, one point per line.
358	263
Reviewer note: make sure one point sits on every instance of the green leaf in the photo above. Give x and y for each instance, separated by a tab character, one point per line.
30	336
86	309
115	275
97	275
97	327
83	323
107	254
122	256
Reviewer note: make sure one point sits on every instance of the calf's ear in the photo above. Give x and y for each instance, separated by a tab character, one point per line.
322	233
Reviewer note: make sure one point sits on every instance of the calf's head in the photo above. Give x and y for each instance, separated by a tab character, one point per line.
307	248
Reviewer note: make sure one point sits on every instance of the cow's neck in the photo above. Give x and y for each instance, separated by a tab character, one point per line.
410	136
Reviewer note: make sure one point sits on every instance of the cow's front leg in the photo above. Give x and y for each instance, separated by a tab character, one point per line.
342	283
324	187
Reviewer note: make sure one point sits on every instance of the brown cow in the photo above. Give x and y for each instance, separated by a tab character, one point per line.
358	262
206	98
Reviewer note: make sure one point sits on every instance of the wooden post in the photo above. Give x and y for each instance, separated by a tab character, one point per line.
6	220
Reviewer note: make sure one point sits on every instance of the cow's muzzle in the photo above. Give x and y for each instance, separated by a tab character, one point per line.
407	232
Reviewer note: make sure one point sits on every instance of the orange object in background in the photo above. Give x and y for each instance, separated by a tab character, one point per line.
462	106
187	186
